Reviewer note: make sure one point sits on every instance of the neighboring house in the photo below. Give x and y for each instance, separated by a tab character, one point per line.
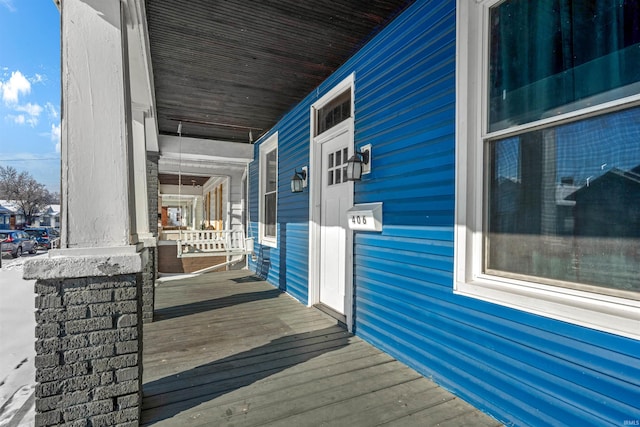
11	216
606	212
613	195
5	217
48	217
458	250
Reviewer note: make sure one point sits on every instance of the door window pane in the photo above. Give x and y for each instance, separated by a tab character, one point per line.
337	170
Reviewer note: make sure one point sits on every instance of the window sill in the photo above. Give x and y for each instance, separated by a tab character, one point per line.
601	312
272	243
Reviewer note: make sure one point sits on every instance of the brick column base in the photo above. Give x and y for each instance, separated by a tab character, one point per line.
88	348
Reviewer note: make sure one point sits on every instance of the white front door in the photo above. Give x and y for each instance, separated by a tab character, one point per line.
335	237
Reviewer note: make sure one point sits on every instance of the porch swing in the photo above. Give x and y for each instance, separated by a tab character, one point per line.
213	242
231	244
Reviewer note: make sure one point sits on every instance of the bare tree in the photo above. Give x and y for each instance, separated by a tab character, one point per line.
22	189
54	198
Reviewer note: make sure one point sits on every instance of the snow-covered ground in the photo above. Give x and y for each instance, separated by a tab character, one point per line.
17	337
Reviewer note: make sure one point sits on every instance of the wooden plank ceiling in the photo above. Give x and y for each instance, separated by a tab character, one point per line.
227	67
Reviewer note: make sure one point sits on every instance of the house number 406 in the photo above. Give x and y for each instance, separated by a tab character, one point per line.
359	220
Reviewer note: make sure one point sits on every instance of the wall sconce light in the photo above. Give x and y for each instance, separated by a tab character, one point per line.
299	180
359	164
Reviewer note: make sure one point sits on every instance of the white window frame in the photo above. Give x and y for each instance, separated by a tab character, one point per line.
266	147
607	313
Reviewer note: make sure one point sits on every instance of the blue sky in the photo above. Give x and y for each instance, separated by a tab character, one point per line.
30	89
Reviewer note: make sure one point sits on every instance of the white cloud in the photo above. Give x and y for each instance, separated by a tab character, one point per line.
38	78
55	136
15	86
19	119
32	111
51	110
8	4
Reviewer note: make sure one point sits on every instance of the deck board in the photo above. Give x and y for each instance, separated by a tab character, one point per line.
229	349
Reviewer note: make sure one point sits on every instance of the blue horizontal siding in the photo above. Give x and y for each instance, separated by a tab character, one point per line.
286	265
435	323
521	368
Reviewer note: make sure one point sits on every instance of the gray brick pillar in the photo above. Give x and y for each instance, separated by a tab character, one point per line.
151	265
152	191
148	284
88	341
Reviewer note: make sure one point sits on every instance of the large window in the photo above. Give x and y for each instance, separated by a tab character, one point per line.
551	57
548	158
268	191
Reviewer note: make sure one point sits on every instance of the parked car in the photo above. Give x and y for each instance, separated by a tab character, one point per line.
16	242
46	236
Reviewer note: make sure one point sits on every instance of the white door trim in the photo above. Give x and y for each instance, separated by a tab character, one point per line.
315	199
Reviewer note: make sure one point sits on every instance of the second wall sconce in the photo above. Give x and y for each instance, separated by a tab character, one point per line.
299	180
359	163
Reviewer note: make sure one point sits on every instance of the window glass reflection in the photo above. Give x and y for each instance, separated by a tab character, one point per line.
564	203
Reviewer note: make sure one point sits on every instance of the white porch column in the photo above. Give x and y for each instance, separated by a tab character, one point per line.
194	214
95	158
139	153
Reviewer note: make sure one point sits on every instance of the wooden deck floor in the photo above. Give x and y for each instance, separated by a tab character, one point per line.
227	349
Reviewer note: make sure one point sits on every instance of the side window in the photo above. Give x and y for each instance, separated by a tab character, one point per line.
548	159
268	203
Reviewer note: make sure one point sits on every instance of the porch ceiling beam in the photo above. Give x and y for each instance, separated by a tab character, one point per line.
194	149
